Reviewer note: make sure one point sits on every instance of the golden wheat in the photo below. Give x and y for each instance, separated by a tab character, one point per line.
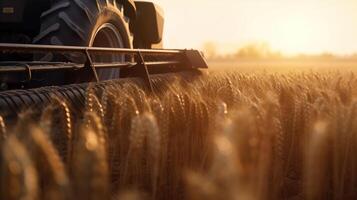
222	135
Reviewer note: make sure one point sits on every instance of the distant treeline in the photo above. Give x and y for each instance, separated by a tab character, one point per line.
262	51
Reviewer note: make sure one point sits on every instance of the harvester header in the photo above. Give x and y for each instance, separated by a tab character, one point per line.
140	64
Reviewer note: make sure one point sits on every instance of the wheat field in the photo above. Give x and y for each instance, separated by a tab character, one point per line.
224	135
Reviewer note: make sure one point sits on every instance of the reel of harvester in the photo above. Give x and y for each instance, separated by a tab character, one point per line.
27	83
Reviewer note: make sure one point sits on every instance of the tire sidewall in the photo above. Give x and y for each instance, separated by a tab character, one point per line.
77	25
112	16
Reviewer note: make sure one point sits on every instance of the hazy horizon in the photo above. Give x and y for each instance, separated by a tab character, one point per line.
292	27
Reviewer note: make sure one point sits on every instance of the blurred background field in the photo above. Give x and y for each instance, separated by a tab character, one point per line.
282	65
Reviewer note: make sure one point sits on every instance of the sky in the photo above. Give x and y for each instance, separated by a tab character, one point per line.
289	26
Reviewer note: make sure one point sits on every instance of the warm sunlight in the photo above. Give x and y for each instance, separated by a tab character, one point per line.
306	26
296	34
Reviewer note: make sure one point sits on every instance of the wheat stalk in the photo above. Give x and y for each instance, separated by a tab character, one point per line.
18	178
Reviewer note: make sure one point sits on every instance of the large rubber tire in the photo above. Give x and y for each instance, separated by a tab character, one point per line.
78	23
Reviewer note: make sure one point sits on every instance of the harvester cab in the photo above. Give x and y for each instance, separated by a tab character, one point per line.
61	42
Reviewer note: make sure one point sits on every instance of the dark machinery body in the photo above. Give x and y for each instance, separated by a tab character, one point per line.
46	45
22	17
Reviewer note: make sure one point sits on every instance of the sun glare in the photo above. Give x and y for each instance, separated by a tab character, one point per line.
292	27
295	35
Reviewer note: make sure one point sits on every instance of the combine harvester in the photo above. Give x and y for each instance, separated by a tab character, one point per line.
59	46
